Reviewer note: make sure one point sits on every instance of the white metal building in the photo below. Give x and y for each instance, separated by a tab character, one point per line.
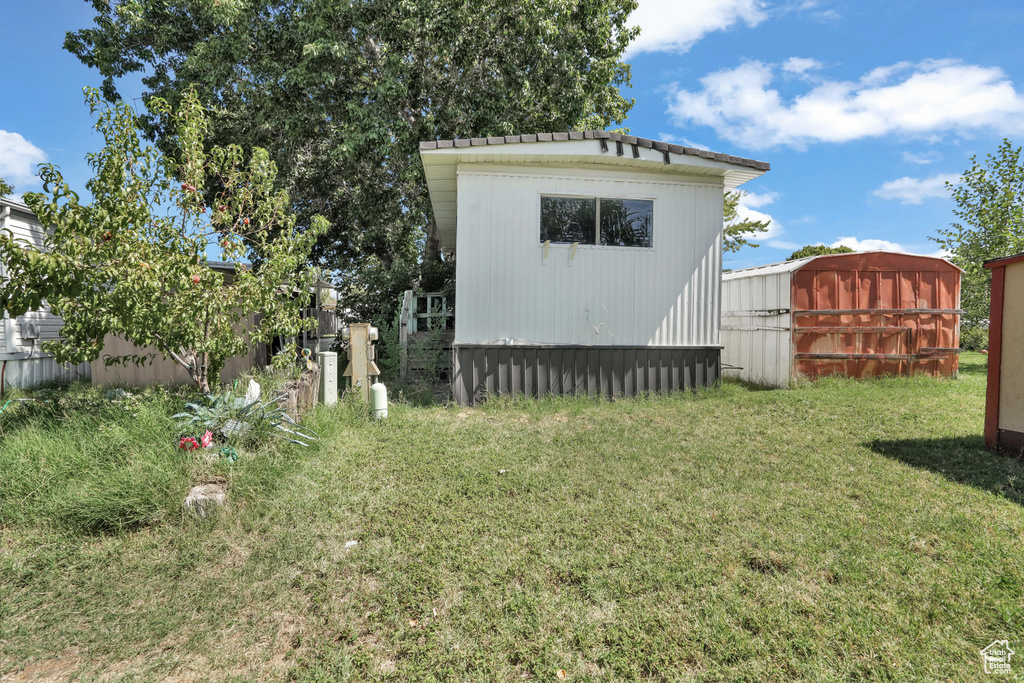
21	356
587	262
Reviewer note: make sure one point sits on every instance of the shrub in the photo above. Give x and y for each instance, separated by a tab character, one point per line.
973	338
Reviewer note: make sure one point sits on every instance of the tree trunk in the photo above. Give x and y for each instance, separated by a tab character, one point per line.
432	246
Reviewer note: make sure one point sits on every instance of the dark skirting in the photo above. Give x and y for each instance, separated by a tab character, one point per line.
1010	441
480	370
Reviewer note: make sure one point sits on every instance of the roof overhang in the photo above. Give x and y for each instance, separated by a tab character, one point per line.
1004	261
441	161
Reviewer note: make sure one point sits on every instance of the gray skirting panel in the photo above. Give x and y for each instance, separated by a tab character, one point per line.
480	371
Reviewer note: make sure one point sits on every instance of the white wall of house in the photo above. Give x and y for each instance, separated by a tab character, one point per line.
21	338
508	289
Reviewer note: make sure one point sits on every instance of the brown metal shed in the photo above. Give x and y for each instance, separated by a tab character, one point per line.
859	315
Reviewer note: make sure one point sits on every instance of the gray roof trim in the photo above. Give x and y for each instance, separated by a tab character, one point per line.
598	135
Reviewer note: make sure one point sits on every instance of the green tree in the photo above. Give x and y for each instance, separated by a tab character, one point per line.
737	231
5	188
818	250
341	93
122	265
990	206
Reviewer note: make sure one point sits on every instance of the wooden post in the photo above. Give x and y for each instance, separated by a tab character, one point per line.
403	333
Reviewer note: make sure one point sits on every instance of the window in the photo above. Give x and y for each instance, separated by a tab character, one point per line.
597	220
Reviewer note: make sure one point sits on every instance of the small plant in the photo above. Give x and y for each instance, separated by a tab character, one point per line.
189	443
240	417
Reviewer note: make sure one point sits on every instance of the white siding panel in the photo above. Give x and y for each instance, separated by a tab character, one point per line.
30	372
507	289
762	346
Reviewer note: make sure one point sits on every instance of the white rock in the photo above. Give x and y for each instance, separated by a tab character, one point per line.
205	499
253	392
352	544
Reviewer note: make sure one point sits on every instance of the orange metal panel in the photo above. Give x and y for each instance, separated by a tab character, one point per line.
907	306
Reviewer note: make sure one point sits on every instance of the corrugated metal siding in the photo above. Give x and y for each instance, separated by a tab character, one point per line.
30	372
899	301
899	317
608	296
484	371
756	328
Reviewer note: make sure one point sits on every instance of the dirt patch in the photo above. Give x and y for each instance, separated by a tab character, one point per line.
57	670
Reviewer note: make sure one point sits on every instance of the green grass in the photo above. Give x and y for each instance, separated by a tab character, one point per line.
837	531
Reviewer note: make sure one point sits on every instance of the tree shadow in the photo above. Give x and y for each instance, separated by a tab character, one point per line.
964	460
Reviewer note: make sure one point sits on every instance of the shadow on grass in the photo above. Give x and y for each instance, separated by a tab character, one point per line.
964	460
973	364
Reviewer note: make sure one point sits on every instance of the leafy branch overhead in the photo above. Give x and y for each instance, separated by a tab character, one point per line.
737	232
990	209
341	94
132	263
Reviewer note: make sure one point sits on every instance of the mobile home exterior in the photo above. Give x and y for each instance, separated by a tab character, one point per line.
858	315
22	359
586	262
1004	401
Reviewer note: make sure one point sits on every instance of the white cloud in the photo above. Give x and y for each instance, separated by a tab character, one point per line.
884	245
18	159
915	190
868	244
917	99
674	26
801	65
756	200
926	158
746	210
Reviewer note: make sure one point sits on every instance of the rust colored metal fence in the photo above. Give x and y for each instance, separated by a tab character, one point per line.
875	313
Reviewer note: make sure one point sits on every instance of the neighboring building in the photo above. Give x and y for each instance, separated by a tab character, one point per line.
1004	402
25	364
586	262
22	358
858	315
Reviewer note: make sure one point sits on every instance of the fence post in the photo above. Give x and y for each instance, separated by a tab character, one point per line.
403	334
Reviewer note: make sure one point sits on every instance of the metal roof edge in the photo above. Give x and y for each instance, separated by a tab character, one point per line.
621	138
796	264
1003	260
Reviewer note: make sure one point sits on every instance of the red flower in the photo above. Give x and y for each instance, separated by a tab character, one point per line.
188	443
195	279
207	439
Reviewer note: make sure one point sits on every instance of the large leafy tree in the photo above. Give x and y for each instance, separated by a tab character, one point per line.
990	206
738	232
133	262
819	250
341	93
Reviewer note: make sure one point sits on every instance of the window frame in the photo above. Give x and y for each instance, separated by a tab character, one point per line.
597	218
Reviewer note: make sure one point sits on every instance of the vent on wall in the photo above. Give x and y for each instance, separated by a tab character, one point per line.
29	330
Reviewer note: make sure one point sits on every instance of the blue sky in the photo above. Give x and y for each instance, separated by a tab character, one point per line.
864	108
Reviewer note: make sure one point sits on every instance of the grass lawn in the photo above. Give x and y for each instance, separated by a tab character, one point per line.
837	531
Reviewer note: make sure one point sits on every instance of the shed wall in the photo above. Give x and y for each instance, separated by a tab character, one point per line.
858	315
756	328
892	314
508	289
1011	368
